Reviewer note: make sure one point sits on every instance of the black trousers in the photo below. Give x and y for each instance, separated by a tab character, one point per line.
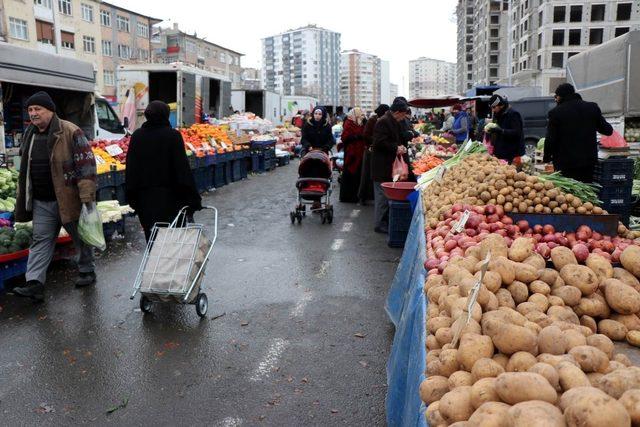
582	174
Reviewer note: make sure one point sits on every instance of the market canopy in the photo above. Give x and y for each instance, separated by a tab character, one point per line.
435	102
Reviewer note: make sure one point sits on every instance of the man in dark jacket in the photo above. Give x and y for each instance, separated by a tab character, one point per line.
387	144
571	142
507	136
365	193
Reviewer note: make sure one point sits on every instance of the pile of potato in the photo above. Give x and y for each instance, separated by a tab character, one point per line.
538	348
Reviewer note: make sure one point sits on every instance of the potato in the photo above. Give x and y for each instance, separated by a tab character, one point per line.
554	360
519	291
623	358
563	314
613	365
589	322
631	321
551	340
505	299
633	338
521	361
539	287
571	376
533	327
492	280
438	322
510	339
472	348
452	273
467	262
627	278
601	342
525	273
569	294
515	387
540	300
596	410
433	355
590	359
556	301
536	413
521	249
459	379
444	336
456	405
574	395
486	368
548	275
619	381
594	377
501	359
630	260
561	256
612	329
433	416
574	338
631	401
536	261
593	305
433	388
432	281
434	293
621	297
494	243
492	304
528	307
600	265
580	276
459	308
448	362
473	251
504	268
460	424
492	414
547	371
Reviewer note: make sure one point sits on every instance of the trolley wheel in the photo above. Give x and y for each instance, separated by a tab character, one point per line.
292	215
202	304
330	215
304	210
145	304
299	216
323	217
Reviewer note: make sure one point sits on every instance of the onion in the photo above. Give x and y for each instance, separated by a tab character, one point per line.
544	250
431	263
586	230
442	266
457	208
506	220
549	238
500	210
615	256
548	229
562	241
484	226
552	245
607	246
502	232
478	209
471	232
537	229
433	271
596	236
523	225
538	237
581	252
582	235
450	245
448	222
493	218
493	227
474	221
490	209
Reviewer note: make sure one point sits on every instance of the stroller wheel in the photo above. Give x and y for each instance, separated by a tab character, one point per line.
202	304
324	218
145	304
299	216
292	215
330	215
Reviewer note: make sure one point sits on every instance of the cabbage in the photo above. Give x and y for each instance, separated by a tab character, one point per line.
90	227
540	144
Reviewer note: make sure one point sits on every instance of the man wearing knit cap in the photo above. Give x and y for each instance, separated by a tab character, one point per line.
57	176
571	141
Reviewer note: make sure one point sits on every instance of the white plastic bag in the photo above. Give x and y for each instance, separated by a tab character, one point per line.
90	227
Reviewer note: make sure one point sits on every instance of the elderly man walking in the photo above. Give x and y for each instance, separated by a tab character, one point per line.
57	175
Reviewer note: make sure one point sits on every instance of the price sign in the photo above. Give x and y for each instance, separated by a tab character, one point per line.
459	225
442	169
99	160
113	150
467	145
191	147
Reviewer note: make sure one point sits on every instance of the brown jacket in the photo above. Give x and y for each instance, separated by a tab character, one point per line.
386	139
73	170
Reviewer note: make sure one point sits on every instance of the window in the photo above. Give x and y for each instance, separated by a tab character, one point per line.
105	18
624	12
595	35
575	14
44	3
493	59
495	32
109	80
89	44
574	37
493	72
559	13
495	19
597	12
44	32
142	30
621	30
558	37
18	29
67	39
539	41
107	48
64	7
469	76
87	12
143	54
223	57
540	19
107	119
539	62
122	23
494	45
124	51
557	60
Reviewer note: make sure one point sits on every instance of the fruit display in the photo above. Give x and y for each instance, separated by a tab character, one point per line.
123	143
513	342
440	140
632	130
206	139
440	150
105	162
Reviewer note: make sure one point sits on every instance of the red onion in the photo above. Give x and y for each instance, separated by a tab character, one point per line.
548	229
585	229
506	220
552	245
431	263
500	211
493	218
502	232
596	236
543	249
581	252
433	271
523	225
490	209
549	238
450	245
471	232
615	256
537	229
457	207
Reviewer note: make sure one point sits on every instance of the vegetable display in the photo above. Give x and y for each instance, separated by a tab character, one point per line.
425	163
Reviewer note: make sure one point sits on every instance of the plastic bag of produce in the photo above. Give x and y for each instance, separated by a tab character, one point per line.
613	141
400	169
90	227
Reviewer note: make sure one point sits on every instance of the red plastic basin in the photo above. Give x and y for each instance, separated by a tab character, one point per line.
398	190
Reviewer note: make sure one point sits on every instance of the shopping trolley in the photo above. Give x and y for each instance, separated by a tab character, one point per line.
174	262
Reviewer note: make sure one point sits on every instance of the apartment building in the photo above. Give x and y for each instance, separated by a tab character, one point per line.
303	61
172	45
393	91
544	34
385	82
465	12
431	77
360	80
250	79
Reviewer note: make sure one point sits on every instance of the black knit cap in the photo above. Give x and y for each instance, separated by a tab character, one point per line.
43	100
399	105
381	110
565	89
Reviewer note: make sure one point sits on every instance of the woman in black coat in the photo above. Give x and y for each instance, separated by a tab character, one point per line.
159	181
316	132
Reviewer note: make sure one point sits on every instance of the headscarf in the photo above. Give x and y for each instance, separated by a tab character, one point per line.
356	115
322	121
157	113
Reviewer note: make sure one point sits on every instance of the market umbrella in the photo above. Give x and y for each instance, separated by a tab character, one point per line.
435	102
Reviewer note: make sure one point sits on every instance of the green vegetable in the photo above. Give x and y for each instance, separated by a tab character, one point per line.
540	145
468	148
585	192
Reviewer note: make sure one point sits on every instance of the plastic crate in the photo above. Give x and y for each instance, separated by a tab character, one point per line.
110	228
12	269
228	172
202	179
263	144
210	160
245	164
399	223
218	174
271	163
255	162
236	170
613	171
106	193
193	162
616	196
283	160
119	178
121	195
104	180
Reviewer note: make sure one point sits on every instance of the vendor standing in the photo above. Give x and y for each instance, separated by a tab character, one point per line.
571	142
507	136
460	127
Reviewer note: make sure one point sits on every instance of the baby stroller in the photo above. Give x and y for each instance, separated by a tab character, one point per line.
314	187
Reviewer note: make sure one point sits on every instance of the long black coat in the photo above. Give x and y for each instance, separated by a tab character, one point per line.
510	143
571	134
159	181
317	135
386	139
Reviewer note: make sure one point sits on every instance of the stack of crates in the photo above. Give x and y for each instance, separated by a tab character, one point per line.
615	175
400	216
266	155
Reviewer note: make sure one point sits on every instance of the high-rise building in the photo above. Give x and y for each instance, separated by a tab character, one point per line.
360	80
431	77
545	34
393	92
385	83
304	61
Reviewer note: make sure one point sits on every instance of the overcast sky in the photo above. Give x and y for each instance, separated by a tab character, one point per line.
397	31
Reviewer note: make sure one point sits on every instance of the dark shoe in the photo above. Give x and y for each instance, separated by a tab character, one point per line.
382	230
32	289
85	279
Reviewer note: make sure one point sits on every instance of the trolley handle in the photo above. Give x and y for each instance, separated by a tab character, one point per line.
183	213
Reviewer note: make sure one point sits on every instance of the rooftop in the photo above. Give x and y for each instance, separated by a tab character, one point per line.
154	21
176	30
306	27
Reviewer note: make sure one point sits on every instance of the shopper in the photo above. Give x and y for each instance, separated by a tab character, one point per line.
387	144
159	181
354	147
460	127
571	142
473	124
447	121
316	132
57	176
507	136
366	184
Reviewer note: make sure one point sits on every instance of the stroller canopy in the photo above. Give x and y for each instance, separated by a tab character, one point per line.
315	164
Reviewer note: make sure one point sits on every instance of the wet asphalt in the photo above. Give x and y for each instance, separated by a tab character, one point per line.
296	333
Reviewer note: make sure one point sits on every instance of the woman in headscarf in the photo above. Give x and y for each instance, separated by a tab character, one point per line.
365	193
316	132
159	181
354	147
